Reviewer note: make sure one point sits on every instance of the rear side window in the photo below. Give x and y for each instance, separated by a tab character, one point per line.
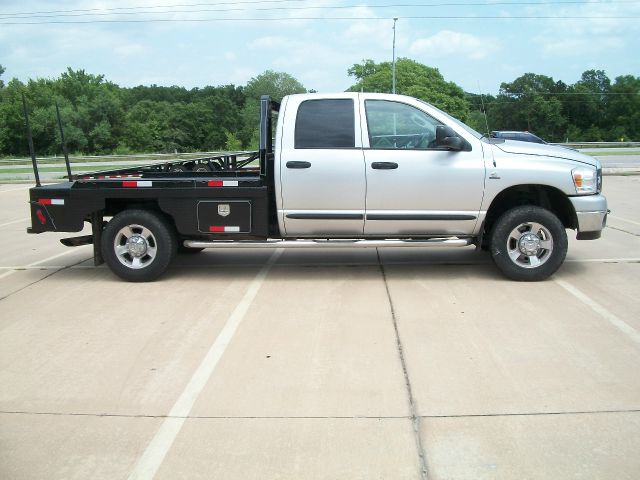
325	124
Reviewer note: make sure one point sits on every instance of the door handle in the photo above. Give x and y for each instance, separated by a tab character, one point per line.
384	165
293	164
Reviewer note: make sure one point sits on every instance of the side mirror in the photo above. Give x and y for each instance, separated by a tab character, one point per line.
447	137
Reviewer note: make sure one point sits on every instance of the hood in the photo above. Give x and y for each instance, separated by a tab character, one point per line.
546	150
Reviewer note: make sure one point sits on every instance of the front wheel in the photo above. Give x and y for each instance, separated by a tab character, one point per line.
528	243
138	245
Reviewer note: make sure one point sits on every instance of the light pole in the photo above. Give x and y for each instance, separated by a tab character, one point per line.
393	68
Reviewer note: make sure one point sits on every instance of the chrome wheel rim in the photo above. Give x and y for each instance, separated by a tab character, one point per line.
135	246
530	245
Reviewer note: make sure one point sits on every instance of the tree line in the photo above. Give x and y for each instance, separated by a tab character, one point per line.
101	117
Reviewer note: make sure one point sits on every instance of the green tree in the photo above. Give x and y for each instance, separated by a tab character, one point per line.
585	103
624	109
274	84
530	103
413	79
95	107
2	70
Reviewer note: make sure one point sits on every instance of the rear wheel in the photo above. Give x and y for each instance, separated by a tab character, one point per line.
528	243
138	245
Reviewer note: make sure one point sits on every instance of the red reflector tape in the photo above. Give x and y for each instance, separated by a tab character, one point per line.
136	184
222	183
217	229
51	201
41	217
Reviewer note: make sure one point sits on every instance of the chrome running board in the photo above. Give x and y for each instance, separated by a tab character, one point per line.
277	243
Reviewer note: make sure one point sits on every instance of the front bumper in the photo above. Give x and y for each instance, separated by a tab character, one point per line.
591	214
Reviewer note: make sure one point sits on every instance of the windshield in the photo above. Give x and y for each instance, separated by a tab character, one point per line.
455	120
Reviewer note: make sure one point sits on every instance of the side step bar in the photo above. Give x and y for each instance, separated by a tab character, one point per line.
431	242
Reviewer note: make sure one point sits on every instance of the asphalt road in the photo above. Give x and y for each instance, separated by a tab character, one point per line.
397	364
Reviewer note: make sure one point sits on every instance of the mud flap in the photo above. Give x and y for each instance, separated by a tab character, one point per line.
97	225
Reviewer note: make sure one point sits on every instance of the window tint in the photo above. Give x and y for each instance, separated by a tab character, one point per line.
325	124
394	125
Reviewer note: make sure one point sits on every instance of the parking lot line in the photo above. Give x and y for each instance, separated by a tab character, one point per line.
13	222
620	324
603	260
615	217
157	449
15	189
53	257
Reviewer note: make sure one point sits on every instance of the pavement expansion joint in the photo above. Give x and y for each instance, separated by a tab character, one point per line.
67	267
534	414
321	417
415	419
209	417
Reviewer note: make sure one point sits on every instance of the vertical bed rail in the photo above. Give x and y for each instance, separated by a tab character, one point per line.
32	150
63	143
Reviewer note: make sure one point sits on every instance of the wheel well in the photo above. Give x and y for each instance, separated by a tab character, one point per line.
543	196
113	206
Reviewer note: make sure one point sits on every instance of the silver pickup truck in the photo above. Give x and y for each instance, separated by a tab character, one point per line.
344	170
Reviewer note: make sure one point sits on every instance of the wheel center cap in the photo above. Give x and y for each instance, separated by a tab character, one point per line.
529	244
137	246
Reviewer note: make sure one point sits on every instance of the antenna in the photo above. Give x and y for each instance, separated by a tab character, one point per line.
32	150
393	75
486	121
484	110
63	143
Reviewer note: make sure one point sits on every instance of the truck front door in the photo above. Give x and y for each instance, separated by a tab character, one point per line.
322	171
413	186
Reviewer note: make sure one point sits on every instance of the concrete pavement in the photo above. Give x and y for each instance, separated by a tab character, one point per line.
225	369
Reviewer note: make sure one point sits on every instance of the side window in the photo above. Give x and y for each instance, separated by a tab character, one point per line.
325	124
394	125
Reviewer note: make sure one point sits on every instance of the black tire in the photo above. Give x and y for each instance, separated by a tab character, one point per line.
201	168
528	243
144	231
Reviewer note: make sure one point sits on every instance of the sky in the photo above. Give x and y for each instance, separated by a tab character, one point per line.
477	44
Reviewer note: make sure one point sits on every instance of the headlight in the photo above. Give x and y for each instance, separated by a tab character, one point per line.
585	180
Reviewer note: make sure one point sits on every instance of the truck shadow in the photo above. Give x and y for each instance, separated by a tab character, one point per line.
309	264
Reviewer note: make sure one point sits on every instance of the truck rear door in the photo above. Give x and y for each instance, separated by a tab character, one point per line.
322	168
